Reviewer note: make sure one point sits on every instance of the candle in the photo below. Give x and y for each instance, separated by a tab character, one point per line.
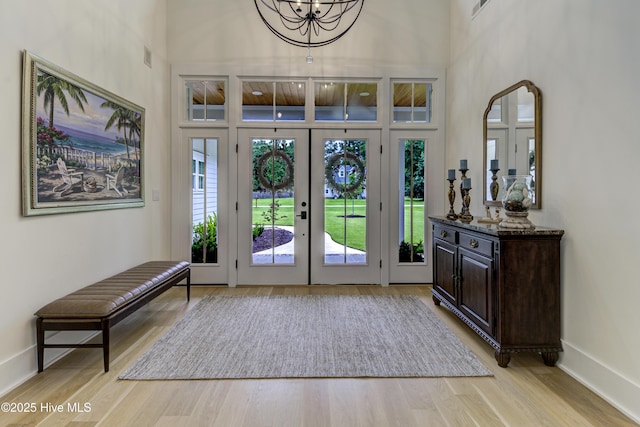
494	164
466	183
463	164
512	172
451	174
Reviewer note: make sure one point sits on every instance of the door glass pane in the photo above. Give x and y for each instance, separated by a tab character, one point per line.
204	236
273	201
411	203
205	100
345	203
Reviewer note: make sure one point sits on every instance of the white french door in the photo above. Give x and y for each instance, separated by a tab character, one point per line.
345	207
273	200
308	206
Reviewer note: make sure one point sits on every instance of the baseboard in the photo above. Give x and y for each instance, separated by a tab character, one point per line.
22	366
604	381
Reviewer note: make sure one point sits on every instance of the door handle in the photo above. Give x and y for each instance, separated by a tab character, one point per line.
303	215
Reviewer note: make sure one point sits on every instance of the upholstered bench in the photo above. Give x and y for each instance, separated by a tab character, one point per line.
103	304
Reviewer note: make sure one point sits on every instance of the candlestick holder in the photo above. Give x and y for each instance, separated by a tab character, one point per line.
465	216
452	215
462	191
494	187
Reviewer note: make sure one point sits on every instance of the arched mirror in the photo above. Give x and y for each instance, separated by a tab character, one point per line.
513	139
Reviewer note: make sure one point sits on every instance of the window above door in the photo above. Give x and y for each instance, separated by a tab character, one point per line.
331	101
323	101
206	100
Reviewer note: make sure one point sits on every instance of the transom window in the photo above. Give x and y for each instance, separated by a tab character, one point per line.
412	102
333	101
275	101
346	102
268	101
206	100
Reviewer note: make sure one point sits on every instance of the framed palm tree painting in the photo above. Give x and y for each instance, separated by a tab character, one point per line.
82	146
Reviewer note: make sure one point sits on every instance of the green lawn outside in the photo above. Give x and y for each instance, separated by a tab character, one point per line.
335	210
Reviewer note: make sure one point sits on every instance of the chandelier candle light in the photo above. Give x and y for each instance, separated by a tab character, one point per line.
309	23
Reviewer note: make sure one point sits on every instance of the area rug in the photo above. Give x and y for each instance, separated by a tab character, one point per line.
307	336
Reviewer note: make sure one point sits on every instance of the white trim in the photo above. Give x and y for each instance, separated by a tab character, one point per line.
20	367
620	392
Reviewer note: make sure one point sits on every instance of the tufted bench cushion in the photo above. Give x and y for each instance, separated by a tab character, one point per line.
109	295
103	304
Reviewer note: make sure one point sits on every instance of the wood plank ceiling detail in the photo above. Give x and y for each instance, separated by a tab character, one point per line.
293	94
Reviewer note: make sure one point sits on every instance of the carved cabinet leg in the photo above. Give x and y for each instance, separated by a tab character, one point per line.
436	301
550	357
502	358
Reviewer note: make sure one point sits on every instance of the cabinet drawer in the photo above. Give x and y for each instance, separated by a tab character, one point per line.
477	244
446	234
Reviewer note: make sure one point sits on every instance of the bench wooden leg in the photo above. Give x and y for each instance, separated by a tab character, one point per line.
40	343
189	285
105	344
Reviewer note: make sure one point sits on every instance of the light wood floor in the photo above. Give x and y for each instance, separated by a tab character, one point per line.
527	393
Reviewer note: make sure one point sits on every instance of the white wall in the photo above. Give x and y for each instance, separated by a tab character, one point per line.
583	55
413	32
42	258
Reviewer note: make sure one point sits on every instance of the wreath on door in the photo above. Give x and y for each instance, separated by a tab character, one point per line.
263	170
340	161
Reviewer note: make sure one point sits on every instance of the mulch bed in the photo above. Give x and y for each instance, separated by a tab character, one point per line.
271	238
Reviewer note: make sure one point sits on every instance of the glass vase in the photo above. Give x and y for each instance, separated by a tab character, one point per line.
516	201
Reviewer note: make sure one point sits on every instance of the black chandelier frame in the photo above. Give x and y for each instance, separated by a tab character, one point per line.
308	18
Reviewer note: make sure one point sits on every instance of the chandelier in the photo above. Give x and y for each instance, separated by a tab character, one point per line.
309	23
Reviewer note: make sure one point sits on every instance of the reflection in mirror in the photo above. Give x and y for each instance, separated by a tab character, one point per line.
513	139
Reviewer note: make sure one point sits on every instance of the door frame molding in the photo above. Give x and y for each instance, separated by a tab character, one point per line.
386	74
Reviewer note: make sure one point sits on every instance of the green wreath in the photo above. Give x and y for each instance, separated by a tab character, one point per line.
261	167
333	166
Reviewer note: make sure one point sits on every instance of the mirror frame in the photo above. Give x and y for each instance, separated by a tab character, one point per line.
537	135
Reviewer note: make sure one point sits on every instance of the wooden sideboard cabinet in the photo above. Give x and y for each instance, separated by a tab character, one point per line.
503	283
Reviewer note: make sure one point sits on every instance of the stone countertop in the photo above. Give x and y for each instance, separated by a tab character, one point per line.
495	230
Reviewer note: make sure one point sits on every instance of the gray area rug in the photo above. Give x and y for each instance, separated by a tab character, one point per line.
307	336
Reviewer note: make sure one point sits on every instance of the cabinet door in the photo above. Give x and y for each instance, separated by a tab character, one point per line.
476	289
444	269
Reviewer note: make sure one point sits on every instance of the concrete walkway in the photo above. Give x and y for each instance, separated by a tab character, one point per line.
334	252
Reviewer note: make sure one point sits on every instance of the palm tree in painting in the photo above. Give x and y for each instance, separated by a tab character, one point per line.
55	88
135	124
122	119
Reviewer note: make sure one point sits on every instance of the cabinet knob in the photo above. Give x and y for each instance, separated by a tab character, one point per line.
474	243
443	233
